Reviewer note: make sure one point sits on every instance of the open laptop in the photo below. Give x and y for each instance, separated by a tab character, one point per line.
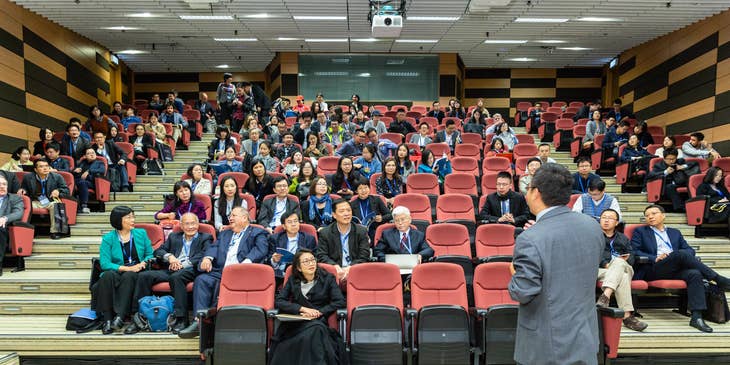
405	263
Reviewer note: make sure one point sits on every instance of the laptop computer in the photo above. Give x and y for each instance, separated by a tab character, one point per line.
405	263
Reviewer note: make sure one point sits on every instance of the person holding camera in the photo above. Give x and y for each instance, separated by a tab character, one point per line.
675	172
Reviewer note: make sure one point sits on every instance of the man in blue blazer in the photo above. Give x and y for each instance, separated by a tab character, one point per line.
670	257
393	240
239	245
291	239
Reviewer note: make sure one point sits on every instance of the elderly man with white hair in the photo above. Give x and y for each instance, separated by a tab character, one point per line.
403	239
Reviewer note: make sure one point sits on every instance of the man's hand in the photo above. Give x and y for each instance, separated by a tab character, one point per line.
378	218
669	170
661	257
510	218
85	175
21	192
55	193
625	256
77	170
529	224
309	312
206	265
3	221
512	268
175	264
276	257
121	162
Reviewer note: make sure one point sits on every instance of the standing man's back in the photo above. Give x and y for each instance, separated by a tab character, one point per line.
555	276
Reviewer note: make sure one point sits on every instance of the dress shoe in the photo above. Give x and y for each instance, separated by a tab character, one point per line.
106	328
179	325
56	236
131	329
700	324
125	189
190	331
633	323
603	301
117	323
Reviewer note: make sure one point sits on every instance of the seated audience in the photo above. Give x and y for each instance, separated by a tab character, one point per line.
310	292
496	147
260	184
287	148
667	143
368	164
229	162
375	123
11	210
616	271
335	135
179	258
618	113
402	239
641	129
596	200
356	106
475	124
198	183
429	165
370	210
594	127
390	183
114	135
504	133
636	155
86	170
317	209
532	165
301	183
98	122
354	146
291	239
498	120
670	257
140	141
156	103
295	163
305	125
543	153
347	124
400	124
584	176
232	198
587	110
54	160
115	158
505	205
157	129
124	252
457	111
699	148
315	148
241	244
450	135
403	161
45	188
713	187
482	108
251	145
423	137
265	157
676	173
343	243
45	136
535	114
184	202
217	147
271	210
171	116
19	158
130	118
615	137
343	181
436	112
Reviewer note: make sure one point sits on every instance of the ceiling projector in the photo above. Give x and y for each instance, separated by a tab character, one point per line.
387	26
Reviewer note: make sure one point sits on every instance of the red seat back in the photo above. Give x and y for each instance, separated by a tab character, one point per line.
558	104
191	115
466	165
490	284
240	177
257	290
521	165
576	104
496	163
467	150
525	150
374	284
438	283
439	149
431	121
448	239
422	183
418	204
207	203
723	163
455	206
251	204
525	138
564	124
202	228
573	199
145	114
473	138
460	183
694	183
523	106
396	138
327	165
495	239
154	233
629	229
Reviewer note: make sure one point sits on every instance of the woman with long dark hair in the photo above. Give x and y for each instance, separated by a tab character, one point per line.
197	181
713	186
223	140
45	136
184	202
260	183
343	181
229	199
403	161
301	183
390	183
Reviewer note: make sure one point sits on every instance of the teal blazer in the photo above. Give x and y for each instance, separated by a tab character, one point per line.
110	251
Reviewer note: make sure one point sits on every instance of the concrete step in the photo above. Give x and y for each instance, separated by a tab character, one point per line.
59	261
77	245
103	218
61	281
42	304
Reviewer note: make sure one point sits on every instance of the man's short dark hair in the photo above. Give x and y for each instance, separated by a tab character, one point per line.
617	101
115	217
671	151
538	103
287	133
435	102
450	122
277	179
699	135
337	202
584	159
74	120
624	123
370	130
306	114
543	145
611	210
555	184
70	125
401	110
504	175
361	181
661	209
54	146
287	215
596	184
36	162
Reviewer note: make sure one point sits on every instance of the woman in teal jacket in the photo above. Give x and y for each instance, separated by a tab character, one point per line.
123	253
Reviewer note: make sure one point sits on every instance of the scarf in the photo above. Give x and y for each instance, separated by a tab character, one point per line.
313	201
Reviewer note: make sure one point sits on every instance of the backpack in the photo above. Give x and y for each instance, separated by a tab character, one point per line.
155	313
83	320
153	167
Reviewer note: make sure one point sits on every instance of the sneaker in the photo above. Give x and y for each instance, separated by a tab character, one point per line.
633	323
602	301
85	210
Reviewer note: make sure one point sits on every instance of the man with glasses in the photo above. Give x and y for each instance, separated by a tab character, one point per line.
343	243
291	240
670	257
596	200
402	239
582	179
505	206
273	208
615	270
45	188
180	256
242	244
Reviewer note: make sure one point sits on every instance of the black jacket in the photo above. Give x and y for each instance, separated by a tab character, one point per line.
678	177
114	151
12	180
389	243
325	296
213	146
266	213
376	206
329	249
81	145
492	209
174	245
621	245
54	181
401	127
438	114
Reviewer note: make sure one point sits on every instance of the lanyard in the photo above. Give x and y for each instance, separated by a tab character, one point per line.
43	186
657	235
597	209
365	213
719	192
195	183
391	187
190	206
613	252
583	187
188	244
131	240
347	182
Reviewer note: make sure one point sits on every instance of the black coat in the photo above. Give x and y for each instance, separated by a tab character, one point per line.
174	244
714	197
114	151
621	245
325	296
81	145
329	249
54	181
492	209
678	177
213	146
12	180
266	213
377	206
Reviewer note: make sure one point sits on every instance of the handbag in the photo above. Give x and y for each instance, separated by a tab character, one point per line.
114	178
60	218
717	310
718	207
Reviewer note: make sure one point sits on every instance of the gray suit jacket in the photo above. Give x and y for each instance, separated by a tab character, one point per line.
555	280
12	207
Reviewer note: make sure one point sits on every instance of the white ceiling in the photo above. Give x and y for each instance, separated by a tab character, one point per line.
188	45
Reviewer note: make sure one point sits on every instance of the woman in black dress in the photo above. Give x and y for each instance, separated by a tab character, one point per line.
713	186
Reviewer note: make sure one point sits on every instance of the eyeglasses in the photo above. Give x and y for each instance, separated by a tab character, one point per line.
309	261
503	184
608	219
322	183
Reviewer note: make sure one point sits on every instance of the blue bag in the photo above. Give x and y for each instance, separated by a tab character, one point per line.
155	313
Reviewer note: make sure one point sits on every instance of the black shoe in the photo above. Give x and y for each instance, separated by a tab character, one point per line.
179	325
106	328
131	329
722	282
191	331
125	189
700	324
117	323
56	236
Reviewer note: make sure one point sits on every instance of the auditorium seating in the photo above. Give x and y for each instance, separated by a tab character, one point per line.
495	312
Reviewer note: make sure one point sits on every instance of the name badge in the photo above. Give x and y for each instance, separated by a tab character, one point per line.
43	200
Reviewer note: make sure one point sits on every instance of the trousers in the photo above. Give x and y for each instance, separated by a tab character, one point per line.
618	277
681	265
114	294
178	282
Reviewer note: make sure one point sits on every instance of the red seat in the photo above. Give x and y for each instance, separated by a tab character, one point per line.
439	149
495	242
547	118
455	207
465	165
554	109
20	236
303	227
131	167
206	176
522	106
525	138
496	311
438	283
460	183
207	203
456	120
418	204
396	138
723	163
145	114
473	138
657	284
655	187
524	150
398	107
636	285
490	284
561	126
496	164
448	239
327	165
419	109
240	177
579	131
695	206
381	108
154	233
573	199
521	165
558	104
576	104
422	183
467	150
70	160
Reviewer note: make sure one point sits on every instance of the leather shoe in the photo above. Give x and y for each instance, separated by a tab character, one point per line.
700	324
131	329
56	236
117	323
190	331
106	328
179	325
603	301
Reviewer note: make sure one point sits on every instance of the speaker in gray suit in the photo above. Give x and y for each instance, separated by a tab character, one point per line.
555	276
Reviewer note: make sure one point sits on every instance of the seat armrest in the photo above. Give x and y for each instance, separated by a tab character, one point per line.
611	312
342	324
271	313
642	260
496	258
411	315
207	313
478	313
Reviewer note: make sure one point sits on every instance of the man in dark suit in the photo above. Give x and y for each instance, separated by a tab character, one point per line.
587	110
291	239
400	124
582	179
242	244
11	210
180	256
554	279
505	206
619	113
74	145
331	249
52	156
115	157
670	257
44	188
675	172
204	106
263	103
402	239
370	210
535	115
272	209
436	112
450	135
